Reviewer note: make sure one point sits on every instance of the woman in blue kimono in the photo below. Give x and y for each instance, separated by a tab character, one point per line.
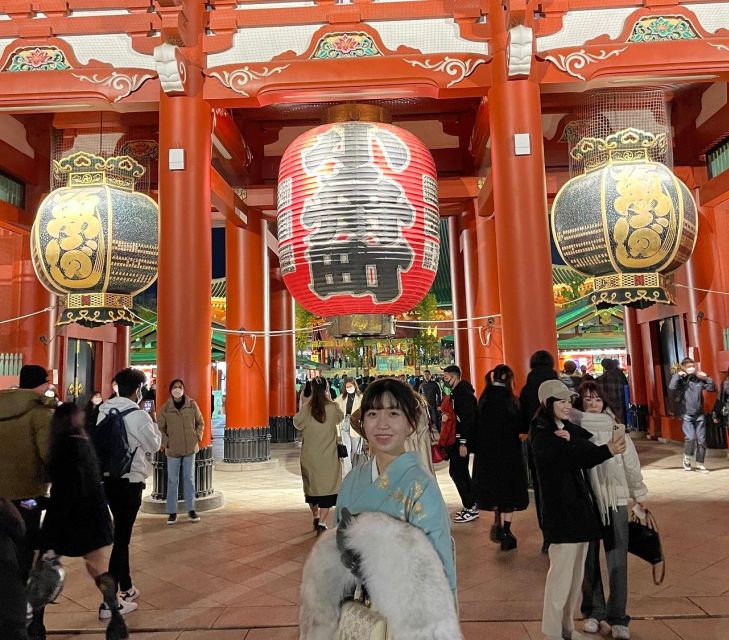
393	481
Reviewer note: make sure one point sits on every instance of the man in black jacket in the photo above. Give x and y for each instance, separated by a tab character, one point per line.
465	407
430	390
688	386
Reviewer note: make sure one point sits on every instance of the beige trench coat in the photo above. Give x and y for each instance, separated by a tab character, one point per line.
320	467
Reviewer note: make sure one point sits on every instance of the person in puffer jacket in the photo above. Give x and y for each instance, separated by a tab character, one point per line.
614	483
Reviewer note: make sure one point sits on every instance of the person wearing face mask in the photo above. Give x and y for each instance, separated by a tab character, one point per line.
569	519
349	402
687	387
92	409
124	494
25	427
181	425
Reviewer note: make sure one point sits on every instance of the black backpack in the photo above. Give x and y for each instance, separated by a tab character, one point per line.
112	444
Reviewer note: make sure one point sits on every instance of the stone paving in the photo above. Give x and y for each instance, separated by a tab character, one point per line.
235	575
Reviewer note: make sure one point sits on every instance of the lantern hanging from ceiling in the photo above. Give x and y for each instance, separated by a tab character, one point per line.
358	224
95	240
628	220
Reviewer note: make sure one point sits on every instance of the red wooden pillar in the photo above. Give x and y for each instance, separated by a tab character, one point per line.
705	322
522	229
636	357
184	314
487	337
121	348
470	282
247	433
282	366
458	294
36	332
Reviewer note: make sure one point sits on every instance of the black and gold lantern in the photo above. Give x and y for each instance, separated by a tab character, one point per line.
627	220
95	240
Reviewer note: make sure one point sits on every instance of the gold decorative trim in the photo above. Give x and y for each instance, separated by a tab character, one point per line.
87	300
626	145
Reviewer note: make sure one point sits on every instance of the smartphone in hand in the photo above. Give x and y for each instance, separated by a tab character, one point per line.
618	432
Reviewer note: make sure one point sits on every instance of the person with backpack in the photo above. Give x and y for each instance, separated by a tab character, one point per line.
125	456
181	425
77	522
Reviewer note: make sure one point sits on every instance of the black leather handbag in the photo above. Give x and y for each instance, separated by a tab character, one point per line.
342	451
644	541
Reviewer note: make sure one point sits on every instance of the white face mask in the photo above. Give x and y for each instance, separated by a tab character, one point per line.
350	389
177	393
690	370
96	401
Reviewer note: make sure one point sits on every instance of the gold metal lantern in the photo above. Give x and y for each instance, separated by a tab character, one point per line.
95	241
627	220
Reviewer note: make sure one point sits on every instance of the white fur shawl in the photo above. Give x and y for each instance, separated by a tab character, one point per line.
402	573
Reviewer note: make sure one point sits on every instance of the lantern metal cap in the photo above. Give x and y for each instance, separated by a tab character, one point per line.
353	112
86	169
626	145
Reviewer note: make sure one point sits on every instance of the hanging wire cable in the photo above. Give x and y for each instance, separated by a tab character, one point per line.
27	315
721	293
243	332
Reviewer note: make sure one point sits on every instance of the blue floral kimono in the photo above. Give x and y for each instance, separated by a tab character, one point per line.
407	492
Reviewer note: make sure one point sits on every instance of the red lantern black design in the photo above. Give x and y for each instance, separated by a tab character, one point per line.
358	220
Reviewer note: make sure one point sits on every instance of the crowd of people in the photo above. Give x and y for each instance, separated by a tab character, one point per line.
585	471
371	448
85	468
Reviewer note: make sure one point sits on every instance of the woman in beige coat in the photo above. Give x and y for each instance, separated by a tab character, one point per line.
181	425
321	470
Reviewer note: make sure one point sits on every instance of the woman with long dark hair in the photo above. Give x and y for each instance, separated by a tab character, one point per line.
614	483
499	476
561	451
321	470
349	402
77	521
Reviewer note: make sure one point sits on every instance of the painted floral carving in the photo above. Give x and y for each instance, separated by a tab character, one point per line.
345	45
662	28
37	59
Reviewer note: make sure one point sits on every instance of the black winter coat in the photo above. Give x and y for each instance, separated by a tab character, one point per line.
77	519
529	398
499	477
569	513
465	407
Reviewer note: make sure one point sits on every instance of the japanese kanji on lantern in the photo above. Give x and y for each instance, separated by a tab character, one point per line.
628	220
94	241
358	224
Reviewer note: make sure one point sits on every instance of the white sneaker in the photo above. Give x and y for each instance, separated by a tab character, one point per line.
621	632
467	515
701	468
130	594
687	463
591	625
123	607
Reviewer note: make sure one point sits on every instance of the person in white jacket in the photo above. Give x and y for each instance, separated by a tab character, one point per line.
349	402
613	483
124	494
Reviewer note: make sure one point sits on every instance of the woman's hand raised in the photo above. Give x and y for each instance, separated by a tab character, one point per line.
617	446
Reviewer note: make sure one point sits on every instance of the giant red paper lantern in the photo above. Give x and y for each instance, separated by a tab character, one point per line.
358	222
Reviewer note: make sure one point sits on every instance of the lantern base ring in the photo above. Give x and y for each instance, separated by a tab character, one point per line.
96	309
373	325
637	290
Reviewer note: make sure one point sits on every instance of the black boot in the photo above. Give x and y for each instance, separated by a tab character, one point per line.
36	629
508	541
496	532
